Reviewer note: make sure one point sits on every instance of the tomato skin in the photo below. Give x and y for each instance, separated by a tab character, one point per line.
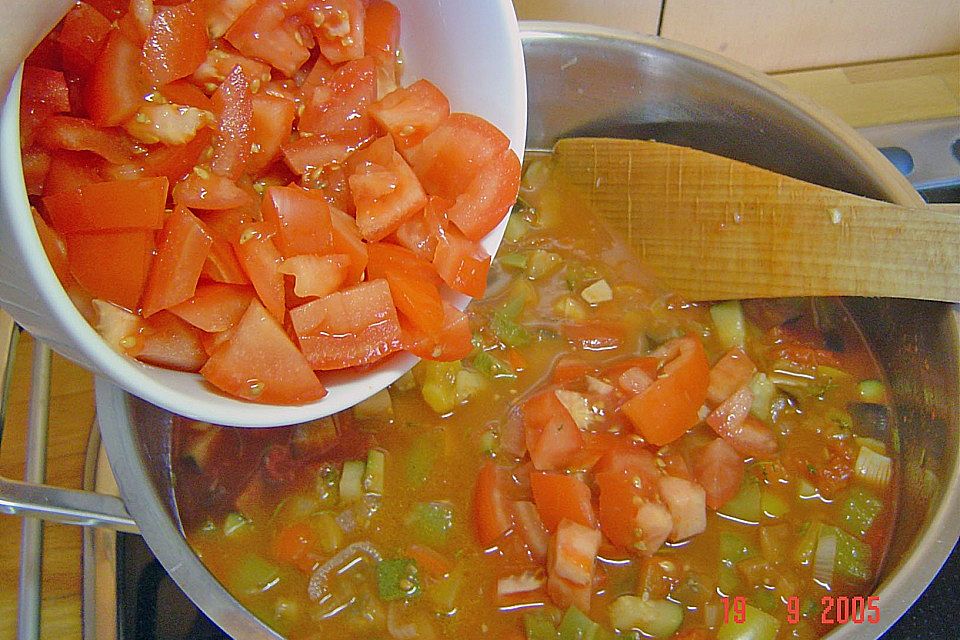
169	342
215	307
234	104
718	468
175	162
260	32
686	501
260	351
559	496
70	170
80	134
491	514
348	328
453	341
339	109
316	276
119	280
43	92
381	31
113	90
54	246
181	252
488	198
81	37
302	220
573	553
385	197
176	45
462	263
261	260
410	113
102	206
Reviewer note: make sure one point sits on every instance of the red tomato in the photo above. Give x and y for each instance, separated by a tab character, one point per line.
449	158
169	342
302	220
271	121
338	28
101	206
731	372
565	594
234	103
751	438
453	341
385	196
177	43
632	460
339	109
488	197
261	32
314	152
36	165
260	363
221	60
686	501
220	14
551	435
619	498
410	113
491	513
176	162
181	252
732	412
381	37
113	91
568	368
414	293
54	246
562	497
261	260
186	93
531	529
719	470
121	278
316	276
70	170
43	92
215	307
205	190
80	134
462	263
81	37
347	240
573	552
352	327
421	232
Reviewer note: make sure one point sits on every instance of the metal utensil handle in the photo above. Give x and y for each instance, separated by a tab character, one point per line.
68	506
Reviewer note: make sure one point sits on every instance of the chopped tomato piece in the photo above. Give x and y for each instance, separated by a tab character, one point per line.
121	278
222	60
175	162
421	232
54	246
348	328
347	240
632	460
181	251
491	512
751	438
628	516
220	15
410	113
338	26
719	470
449	158
302	220
731	372
452	342
262	32
568	594
43	92
177	43
214	306
316	276
169	342
81	37
551	435
70	170
293	543
234	104
669	407
433	562
339	109
36	165
568	368
101	206
205	190
385	196
488	197
414	294
261	261
559	496
686	501
272	118
112	92
531	529
261	363
381	37
732	412
80	134
184	92
309	153
573	552
462	263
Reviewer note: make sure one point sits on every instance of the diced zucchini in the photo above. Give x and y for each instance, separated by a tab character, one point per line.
853	557
406	382
351	481
202	446
653	618
807	545
575	625
253	574
539	626
294	507
327	485
733	549
578	274
805	490
509	331
872	391
373	477
756	625
517	227
398	579
765	600
468	384
859	510
569	308
730	323
773	504
379	406
329	534
541	264
421	458
745	505
438	386
235	524
514	260
431	522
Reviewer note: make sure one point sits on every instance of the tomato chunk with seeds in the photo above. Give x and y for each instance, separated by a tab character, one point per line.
491	193
302	220
177	43
122	278
169	342
410	113
454	340
385	196
261	260
214	306
462	263
113	91
562	497
181	252
262	32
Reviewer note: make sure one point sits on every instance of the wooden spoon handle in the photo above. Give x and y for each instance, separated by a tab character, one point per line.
713	228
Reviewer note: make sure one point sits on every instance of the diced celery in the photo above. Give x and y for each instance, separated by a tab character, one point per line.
235	524
351	481
421	458
745	505
569	308
438	387
329	534
252	574
872	391
654	618
468	384
539	626
542	263
517	227
730	323
728	580
398	579
858	511
773	504
431	522
514	260
807	545
373	477
765	600
764	392
575	625
853	556
492	366
756	625
508	330
379	406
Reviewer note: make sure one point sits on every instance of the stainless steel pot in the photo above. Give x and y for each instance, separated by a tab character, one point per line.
583	80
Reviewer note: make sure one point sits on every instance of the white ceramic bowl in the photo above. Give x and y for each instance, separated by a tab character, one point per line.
471	50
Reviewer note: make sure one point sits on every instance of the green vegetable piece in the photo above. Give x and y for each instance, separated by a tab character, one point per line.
542	264
235	524
517	227
508	330
764	393
489	441
398	579
733	549
654	618
577	626
421	458
872	391
351	481
253	574
765	600
492	366
773	504
514	260
853	558
431	522
859	510
730	323
756	625
807	545
728	580
373	477
745	505
468	384
439	387
578	274
539	626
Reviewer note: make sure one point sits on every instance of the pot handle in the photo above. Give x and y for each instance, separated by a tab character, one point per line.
31	497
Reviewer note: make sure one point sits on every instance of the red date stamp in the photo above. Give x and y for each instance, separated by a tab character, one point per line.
834	610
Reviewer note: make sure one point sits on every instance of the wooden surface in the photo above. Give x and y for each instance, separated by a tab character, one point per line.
712	228
852	92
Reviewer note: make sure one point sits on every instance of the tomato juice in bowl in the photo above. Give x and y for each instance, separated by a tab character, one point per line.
34	296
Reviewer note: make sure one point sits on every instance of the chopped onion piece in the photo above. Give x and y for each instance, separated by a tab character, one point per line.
598	292
522	583
577	405
825	558
318	581
873	468
598	386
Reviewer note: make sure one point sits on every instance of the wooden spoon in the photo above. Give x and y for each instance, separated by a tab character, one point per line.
713	228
